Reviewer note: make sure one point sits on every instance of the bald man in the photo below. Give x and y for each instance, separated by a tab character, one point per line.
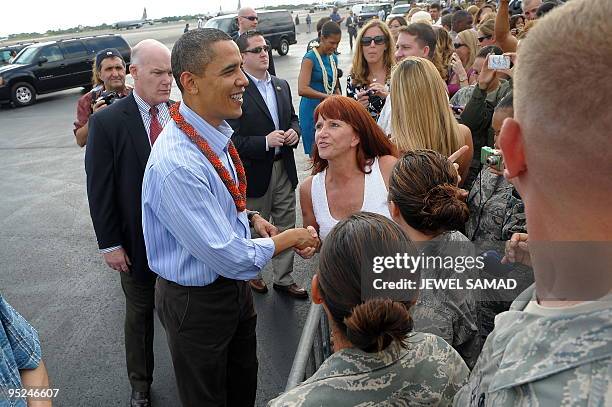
248	21
118	147
530	8
554	346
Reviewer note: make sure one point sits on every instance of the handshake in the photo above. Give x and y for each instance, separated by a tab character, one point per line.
278	138
305	241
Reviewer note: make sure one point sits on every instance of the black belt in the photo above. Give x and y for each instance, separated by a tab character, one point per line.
278	157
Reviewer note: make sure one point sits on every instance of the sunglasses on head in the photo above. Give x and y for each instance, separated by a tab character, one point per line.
484	37
378	40
457	45
257	50
250	18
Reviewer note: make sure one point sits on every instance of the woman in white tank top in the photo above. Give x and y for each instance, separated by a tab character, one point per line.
352	161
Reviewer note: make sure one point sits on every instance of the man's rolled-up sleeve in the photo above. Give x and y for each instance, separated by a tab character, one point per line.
188	209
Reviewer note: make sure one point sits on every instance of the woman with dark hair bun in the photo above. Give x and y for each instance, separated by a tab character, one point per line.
426	202
378	359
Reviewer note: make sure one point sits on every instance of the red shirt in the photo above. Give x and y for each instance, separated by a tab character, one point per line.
84	108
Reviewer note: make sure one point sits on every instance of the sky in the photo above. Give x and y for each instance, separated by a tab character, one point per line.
52	14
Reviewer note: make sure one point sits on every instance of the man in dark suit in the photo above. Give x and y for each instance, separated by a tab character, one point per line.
247	21
118	147
265	136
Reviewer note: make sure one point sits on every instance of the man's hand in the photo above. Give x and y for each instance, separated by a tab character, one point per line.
306	238
486	75
118	260
263	227
513	59
100	104
517	250
308	252
291	137
276	138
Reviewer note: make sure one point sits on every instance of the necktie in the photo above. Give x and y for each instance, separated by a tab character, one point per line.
154	128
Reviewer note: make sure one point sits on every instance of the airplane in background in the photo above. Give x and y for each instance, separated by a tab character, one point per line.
133	23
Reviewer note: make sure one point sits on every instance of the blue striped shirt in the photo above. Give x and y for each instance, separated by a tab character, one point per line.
192	230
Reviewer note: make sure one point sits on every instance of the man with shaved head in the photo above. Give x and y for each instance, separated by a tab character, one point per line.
530	8
248	21
554	346
118	147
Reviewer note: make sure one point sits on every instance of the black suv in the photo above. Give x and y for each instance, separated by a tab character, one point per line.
369	11
276	26
55	65
7	50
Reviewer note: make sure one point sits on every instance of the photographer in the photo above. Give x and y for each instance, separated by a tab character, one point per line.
108	80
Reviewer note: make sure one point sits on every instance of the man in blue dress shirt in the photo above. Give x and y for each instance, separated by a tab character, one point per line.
197	241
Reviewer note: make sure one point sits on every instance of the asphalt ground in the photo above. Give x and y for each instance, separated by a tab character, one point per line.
52	273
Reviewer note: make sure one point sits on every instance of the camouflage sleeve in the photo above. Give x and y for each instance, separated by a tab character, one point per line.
515	221
457	373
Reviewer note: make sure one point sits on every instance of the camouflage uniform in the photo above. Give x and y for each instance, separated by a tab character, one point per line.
531	360
427	373
450	314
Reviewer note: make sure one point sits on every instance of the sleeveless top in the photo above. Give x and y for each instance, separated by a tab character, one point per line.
374	198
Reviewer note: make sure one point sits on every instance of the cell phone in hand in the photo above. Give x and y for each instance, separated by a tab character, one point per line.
499	62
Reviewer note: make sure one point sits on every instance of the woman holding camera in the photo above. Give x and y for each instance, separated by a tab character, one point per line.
351	162
368	81
318	79
425	200
378	359
417	88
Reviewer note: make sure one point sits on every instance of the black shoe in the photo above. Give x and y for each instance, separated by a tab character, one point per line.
140	399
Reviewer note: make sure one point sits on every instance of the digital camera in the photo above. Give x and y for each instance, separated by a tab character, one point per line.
109	97
492	158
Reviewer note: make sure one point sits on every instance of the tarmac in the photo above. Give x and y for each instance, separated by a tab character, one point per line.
52	273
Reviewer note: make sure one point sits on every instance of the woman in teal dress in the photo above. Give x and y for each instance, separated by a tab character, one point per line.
318	79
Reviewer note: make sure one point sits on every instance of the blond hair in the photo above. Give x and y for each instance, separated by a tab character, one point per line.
443	53
487	27
420	116
469	38
473	10
360	70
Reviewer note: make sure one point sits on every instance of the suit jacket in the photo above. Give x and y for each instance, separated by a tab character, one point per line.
250	132
117	152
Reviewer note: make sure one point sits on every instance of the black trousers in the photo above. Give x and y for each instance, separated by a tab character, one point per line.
211	335
139	329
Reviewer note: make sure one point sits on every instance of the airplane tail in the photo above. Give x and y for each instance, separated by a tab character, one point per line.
144	14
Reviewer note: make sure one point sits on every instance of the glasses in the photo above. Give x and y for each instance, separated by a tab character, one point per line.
257	50
250	18
458	45
378	40
484	37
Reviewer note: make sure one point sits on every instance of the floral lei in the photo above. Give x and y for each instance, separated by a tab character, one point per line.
237	192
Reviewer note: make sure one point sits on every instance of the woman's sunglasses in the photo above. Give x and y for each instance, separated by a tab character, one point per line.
457	45
484	37
378	40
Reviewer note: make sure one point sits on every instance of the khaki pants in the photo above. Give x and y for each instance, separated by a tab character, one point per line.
278	206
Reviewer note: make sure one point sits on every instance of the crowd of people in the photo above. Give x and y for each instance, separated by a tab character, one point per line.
190	200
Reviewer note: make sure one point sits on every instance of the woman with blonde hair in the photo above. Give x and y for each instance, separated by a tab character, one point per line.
443	53
466	49
486	33
420	115
368	82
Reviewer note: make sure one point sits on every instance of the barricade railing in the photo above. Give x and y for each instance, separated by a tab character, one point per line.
314	347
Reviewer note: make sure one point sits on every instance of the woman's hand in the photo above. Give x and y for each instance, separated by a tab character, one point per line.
457	66
379	90
363	97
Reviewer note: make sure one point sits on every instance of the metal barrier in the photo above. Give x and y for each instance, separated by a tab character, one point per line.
313	349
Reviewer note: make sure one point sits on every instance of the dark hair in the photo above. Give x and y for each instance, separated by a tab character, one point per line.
445	12
330	28
505	103
374	324
192	52
399	19
546	7
435	5
243	40
372	139
489	49
514	20
460	16
322	22
423	185
446	20
424	34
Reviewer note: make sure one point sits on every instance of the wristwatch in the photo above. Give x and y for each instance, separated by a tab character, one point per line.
250	215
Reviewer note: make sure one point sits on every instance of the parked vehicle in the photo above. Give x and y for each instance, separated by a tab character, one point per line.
276	26
369	11
7	50
54	65
399	10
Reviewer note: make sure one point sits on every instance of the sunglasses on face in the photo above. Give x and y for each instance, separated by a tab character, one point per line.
250	18
457	45
378	40
484	37
257	50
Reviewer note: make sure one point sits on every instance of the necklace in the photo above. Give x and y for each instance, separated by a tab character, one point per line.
238	192
329	89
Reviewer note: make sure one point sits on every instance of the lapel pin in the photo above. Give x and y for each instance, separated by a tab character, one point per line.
278	88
